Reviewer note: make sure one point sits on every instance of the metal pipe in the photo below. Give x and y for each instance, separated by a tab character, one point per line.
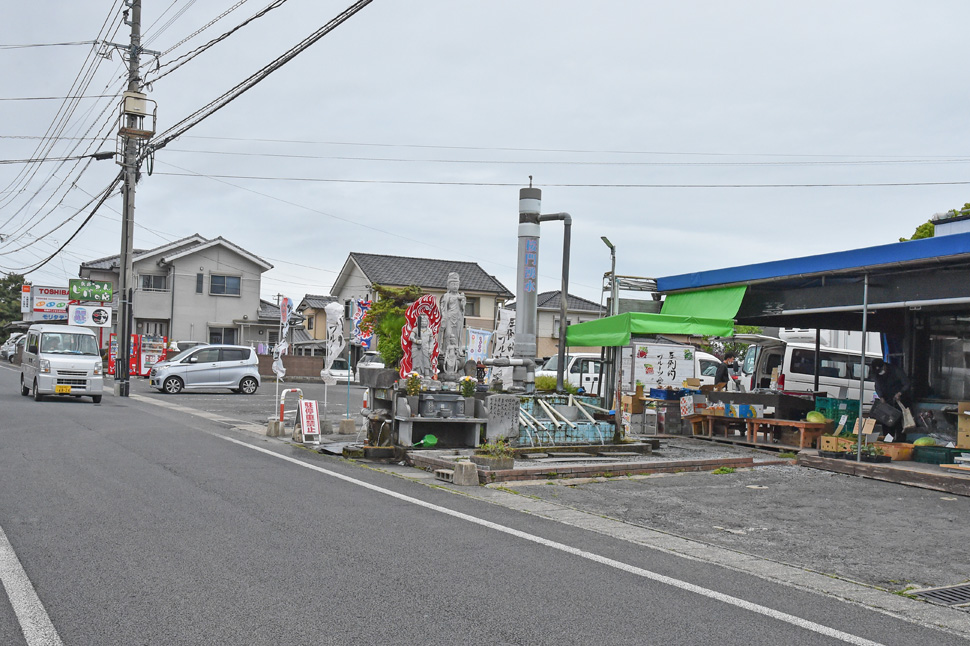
961	300
548	411
862	366
563	294
526	282
552	410
818	357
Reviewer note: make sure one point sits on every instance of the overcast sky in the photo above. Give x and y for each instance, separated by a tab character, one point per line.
410	128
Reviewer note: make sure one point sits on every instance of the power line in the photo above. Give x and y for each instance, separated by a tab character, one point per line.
78	42
553	185
883	162
217	104
56	98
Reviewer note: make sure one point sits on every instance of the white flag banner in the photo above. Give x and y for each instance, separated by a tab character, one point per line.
478	344
278	368
503	345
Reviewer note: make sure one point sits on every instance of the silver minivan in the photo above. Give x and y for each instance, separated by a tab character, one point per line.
235	367
61	360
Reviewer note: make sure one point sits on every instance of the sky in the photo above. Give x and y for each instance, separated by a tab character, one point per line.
694	135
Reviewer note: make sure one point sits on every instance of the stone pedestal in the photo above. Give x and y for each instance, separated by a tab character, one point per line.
466	474
347	427
274	428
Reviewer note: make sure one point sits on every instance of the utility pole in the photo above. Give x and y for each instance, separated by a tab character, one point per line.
130	131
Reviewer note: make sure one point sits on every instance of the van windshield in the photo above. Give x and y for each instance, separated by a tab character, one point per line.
68	343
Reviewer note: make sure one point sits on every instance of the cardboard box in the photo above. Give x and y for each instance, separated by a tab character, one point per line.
716	408
898	451
692	404
692	382
742	411
632	404
963	425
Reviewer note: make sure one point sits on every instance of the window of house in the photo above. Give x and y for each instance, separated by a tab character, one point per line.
199	283
274	337
222	335
224	285
309	322
471	307
154	283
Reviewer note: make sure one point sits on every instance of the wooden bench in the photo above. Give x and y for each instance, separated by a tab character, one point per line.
705	425
808	432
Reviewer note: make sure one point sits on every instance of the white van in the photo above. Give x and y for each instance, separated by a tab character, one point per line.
61	360
583	369
838	368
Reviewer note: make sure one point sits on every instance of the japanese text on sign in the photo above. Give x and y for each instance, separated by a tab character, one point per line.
531	264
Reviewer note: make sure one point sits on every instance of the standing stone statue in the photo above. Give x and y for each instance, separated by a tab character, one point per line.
422	340
452	306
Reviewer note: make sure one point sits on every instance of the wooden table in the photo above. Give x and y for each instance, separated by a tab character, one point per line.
807	431
705	424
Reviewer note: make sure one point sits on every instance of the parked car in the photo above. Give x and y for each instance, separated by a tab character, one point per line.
339	370
10	346
838	369
61	360
204	367
370	359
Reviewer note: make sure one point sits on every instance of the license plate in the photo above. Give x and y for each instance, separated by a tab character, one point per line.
62	390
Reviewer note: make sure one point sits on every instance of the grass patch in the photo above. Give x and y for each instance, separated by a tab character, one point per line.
787	454
720	471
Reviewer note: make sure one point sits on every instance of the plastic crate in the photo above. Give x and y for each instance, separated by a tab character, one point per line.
663	393
936	454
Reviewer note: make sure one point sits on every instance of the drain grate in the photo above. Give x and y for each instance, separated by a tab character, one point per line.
953	595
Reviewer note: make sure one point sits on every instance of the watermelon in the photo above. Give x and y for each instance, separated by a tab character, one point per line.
815	416
925	441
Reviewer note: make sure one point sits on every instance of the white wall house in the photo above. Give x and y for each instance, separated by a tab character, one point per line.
194	289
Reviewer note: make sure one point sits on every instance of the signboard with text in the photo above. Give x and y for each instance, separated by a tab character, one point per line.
81	289
660	365
49	303
25	298
309	418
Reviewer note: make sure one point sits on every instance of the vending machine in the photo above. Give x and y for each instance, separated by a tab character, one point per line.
143	352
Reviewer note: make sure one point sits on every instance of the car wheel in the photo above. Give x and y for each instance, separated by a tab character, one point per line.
24	390
96	399
248	385
37	396
172	385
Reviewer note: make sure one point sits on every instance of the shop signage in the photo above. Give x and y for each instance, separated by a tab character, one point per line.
89	315
49	303
25	298
81	289
660	365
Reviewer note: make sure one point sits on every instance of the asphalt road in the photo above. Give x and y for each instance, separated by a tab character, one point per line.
139	524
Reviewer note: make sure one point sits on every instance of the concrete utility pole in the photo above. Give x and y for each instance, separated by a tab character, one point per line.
130	165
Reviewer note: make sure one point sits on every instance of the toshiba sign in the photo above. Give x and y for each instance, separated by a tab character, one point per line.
49	303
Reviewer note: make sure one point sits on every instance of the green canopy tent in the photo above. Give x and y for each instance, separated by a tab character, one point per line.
614	331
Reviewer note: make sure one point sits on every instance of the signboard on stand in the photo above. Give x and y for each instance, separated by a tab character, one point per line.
89	315
25	298
309	420
660	365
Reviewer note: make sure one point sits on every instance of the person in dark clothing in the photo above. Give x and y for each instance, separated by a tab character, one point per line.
723	375
893	387
892	384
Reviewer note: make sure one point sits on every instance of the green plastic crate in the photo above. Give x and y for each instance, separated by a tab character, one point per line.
936	454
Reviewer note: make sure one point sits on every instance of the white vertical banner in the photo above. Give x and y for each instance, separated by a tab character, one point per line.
503	344
25	305
478	344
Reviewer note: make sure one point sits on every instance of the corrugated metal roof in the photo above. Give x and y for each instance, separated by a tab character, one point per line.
429	273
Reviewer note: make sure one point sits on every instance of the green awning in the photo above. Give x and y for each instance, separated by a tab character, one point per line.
617	330
718	303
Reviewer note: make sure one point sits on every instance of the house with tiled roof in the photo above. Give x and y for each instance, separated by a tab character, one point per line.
484	294
193	289
311	337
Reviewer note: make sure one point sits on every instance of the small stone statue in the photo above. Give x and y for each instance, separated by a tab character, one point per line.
421	344
452	306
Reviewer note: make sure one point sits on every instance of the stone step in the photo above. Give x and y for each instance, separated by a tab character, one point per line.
618	454
568	454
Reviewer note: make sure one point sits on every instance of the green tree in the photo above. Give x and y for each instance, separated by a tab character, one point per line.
386	319
738	348
928	230
10	300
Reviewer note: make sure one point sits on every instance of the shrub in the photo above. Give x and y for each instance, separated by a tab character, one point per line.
549	384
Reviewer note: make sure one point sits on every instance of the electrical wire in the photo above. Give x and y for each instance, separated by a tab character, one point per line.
185	58
204	27
217	104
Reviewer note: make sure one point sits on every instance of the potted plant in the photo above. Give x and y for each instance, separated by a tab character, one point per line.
873	453
466	388
499	455
413	387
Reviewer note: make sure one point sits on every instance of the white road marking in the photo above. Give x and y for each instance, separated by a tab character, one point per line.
34	622
562	547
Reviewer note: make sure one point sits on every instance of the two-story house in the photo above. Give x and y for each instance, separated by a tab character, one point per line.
193	289
578	310
311	338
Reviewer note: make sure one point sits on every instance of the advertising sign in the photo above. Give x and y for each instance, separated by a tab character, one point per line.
89	315
25	298
309	417
81	289
49	303
659	366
